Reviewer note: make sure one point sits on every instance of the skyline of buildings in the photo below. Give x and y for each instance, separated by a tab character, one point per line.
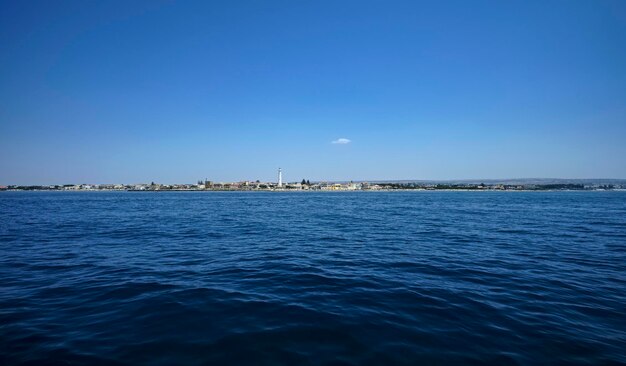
307	185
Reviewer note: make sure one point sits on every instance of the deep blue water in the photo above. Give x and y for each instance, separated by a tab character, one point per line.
313	278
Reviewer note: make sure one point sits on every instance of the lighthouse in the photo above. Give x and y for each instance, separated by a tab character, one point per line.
280	177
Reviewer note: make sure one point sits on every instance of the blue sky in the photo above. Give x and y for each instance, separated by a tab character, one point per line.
130	91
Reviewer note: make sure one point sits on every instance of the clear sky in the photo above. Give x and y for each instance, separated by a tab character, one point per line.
131	91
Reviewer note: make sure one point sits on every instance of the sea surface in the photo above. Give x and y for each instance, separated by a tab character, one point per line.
268	278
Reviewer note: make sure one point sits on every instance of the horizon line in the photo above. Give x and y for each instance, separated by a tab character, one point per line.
354	180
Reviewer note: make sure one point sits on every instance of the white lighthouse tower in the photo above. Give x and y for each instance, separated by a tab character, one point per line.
280	177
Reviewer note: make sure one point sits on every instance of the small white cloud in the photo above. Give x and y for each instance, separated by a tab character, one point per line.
342	141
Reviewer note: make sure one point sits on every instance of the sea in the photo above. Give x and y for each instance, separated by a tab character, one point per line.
312	278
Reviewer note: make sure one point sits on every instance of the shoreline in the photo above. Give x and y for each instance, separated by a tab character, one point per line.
311	191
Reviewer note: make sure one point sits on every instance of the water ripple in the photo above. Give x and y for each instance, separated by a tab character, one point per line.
312	279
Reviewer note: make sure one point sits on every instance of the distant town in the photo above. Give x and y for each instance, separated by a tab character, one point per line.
306	185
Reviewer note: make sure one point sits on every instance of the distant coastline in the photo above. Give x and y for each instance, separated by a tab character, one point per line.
377	186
